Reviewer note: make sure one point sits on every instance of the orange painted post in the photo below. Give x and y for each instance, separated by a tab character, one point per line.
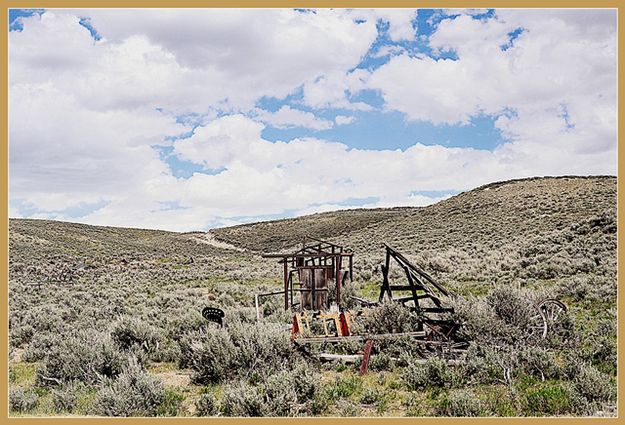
344	326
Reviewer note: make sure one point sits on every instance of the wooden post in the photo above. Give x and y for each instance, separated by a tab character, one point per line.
286	285
313	303
338	279
365	357
291	286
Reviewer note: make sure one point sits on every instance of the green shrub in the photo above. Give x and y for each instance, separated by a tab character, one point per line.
86	357
389	317
22	401
171	404
21	335
480	365
538	362
210	353
280	394
243	399
594	386
206	405
512	306
380	362
433	373
547	398
371	396
291	392
132	331
461	403
40	345
481	324
133	393
260	349
344	387
347	408
66	396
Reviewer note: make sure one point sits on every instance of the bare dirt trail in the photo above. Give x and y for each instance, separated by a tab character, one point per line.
209	238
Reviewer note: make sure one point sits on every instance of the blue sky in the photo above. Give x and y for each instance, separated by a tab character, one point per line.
140	126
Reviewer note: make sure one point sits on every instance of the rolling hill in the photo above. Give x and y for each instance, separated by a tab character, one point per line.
101	315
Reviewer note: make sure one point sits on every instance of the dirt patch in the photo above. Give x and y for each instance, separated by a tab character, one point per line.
175	378
209	239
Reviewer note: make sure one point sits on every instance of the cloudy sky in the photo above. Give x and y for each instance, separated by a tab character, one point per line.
192	119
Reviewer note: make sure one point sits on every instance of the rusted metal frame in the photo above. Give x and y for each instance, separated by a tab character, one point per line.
402	287
434	322
311	250
404	300
413	276
322	241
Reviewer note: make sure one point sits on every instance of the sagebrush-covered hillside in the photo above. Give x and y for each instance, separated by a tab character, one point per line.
106	321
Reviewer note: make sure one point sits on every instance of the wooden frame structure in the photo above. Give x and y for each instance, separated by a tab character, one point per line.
424	292
313	268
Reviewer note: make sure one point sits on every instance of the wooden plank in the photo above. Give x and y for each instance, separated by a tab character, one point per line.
347	358
353	358
296	255
358	337
437	310
403	287
363	301
423	274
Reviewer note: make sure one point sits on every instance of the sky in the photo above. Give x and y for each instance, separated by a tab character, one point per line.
190	119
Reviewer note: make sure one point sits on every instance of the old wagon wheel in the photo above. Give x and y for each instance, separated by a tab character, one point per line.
549	311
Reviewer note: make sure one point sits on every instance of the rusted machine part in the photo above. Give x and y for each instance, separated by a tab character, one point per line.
365	357
213	314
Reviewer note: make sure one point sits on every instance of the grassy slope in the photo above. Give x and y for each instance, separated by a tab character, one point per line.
493	214
510	232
